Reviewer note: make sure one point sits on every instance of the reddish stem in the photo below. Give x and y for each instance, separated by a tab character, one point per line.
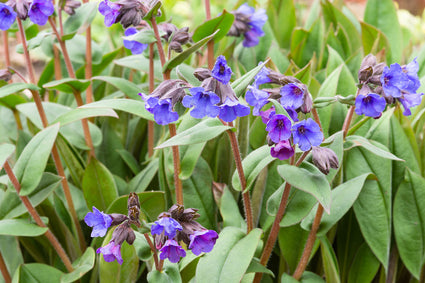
155	254
4	270
210	44
6	47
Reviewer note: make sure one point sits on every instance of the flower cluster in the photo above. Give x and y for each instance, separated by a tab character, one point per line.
248	23
101	223
179	225
126	12
38	11
381	85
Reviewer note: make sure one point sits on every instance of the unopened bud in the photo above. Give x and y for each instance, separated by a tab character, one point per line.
202	74
308	102
70	6
324	159
133	200
5	75
131	236
120	233
117	218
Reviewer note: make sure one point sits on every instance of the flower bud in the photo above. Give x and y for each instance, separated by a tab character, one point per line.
5	75
21	7
131	236
117	218
171	89
202	74
133	200
324	159
120	233
70	6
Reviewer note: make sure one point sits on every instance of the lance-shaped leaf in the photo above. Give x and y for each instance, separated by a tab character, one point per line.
353	141
31	163
37	272
81	266
82	18
84	113
308	179
223	23
240	85
202	132
144	36
6	150
20	227
68	85
16	87
128	88
136	107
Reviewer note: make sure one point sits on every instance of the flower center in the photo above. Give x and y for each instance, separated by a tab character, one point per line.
367	99
222	69
280	124
298	91
301	130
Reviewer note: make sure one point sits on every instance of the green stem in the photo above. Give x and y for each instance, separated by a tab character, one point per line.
357	126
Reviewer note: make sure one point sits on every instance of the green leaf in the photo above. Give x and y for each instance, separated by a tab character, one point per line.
11	205
189	158
142	180
20	227
374	41
83	113
33	42
308	179
353	141
15	88
82	18
278	10
129	160
388	23
145	36
240	85
31	163
151	204
140	63
291	244
222	23
153	11
255	266
174	62
202	132
12	100
299	206
252	166
136	107
170	273
342	199
409	225
98	185
81	266
68	85
128	88
230	258
330	263
229	210
6	150
364	266
36	273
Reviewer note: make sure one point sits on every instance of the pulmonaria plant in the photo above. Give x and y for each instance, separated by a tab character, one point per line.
179	225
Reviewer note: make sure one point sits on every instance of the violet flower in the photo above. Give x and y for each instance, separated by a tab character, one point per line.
172	250
110	10
279	128
221	71
99	221
111	252
256	98
231	109
166	225
135	46
282	150
292	96
40	10
161	109
203	241
203	103
306	134
370	105
7	16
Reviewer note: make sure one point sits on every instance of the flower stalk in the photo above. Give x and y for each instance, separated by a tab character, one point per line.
210	44
155	254
4	271
6	47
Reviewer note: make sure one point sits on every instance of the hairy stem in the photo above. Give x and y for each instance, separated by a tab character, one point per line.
155	254
4	271
210	44
302	264
34	214
6	47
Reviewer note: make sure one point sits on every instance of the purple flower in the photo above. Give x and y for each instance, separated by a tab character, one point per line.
110	10
221	70
279	128
370	105
266	115
411	71
256	98
7	16
410	100
306	134
111	252
202	241
256	23
293	114
161	109
394	80
262	77
135	46
167	225
172	251
204	103
292	96
283	150
99	221
231	109
40	10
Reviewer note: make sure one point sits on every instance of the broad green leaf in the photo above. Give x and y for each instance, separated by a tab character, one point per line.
6	150
170	273
189	158
11	252
12	100
409	225
33	42
142	180
82	18
151	204
144	36
330	263
204	131
387	22
36	273
298	207
83	113
11	205
221	23
81	266
252	166
230	258
255	266
20	227
353	141
68	85
15	88
291	244
342	199
31	163
128	88
177	60
98	185
240	85
136	107
229	210
306	44
310	180
364	266
129	160
140	63
374	41
142	247
278	10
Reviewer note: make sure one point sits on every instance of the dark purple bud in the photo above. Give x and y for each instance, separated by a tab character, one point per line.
5	75
130	236
120	233
324	159
21	7
117	218
168	29
176	46
202	74
70	6
133	200
171	89
131	12
308	103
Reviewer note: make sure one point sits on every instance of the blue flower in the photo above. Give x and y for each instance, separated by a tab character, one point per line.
410	100
411	70
231	109
293	114
279	128
161	109
292	96
306	134
167	225
394	80
266	115
255	23
99	221
370	105
7	17
256	98
110	10
262	77
202	241
204	103
111	252
135	46
172	251
40	10
282	150
221	70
